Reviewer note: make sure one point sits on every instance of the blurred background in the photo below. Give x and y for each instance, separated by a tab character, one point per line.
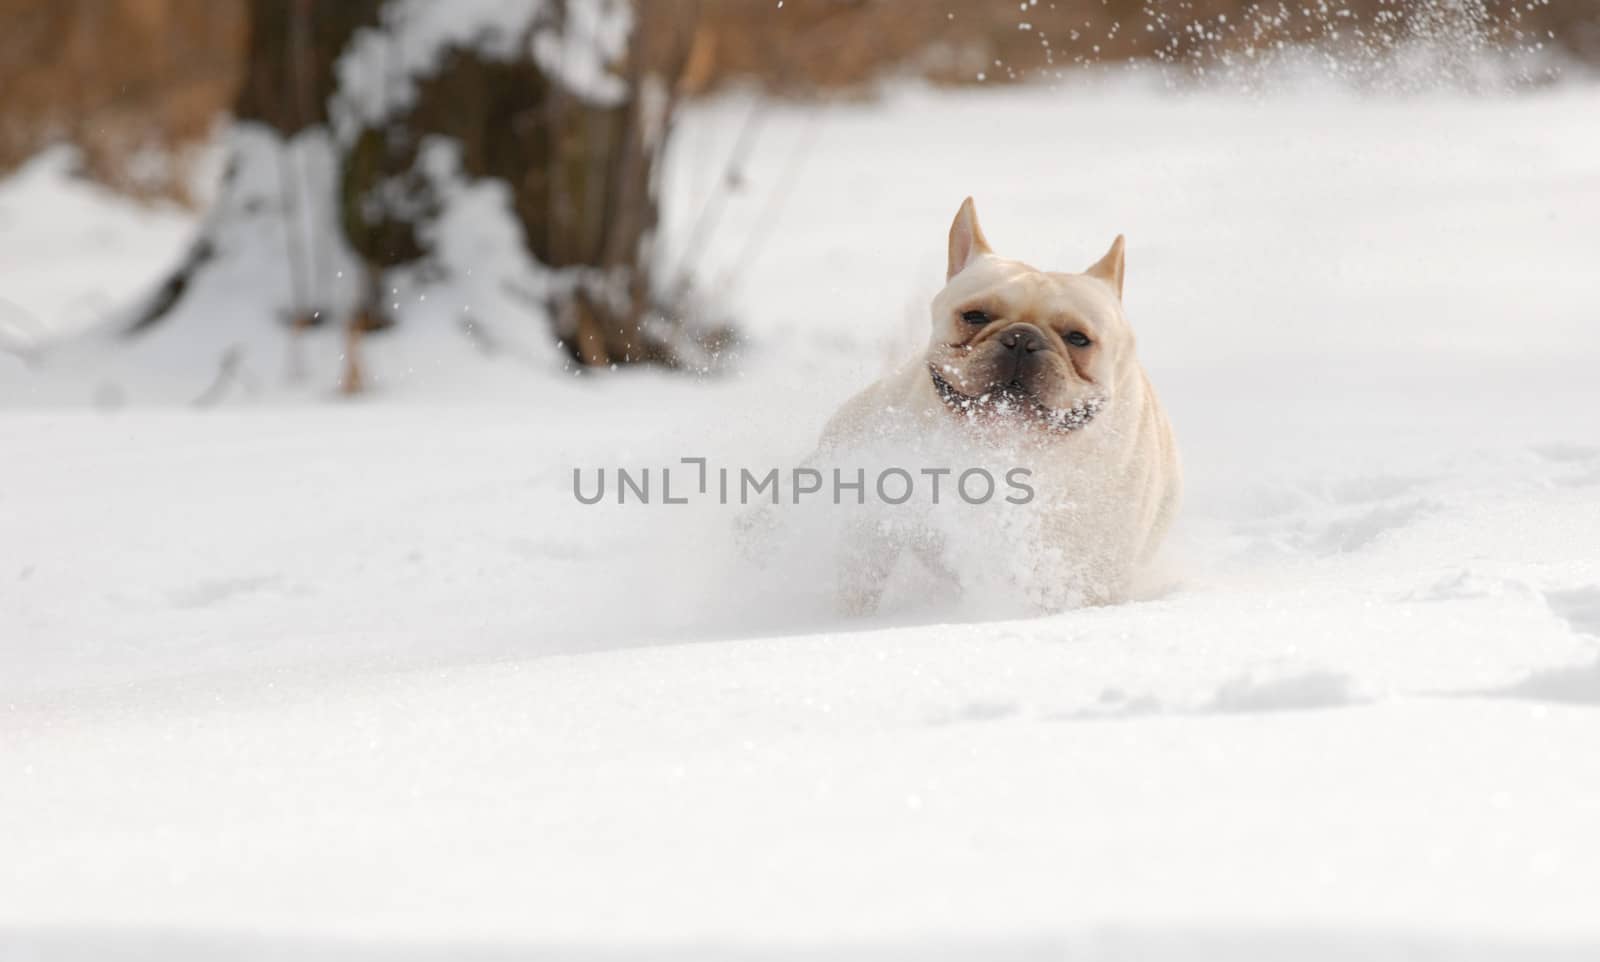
356	130
139	85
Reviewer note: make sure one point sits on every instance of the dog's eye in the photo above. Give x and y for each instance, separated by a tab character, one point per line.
975	317
1078	339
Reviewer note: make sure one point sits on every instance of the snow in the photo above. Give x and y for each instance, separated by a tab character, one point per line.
480	293
299	678
51	226
585	47
577	42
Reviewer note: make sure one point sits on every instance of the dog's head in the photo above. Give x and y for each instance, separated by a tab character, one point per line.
1034	348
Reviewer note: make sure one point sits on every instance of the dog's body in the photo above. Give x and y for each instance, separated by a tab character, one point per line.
1046	359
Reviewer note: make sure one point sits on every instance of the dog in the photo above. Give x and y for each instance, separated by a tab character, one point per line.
1024	360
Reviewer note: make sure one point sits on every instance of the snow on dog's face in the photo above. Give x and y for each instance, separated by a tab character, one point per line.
1022	346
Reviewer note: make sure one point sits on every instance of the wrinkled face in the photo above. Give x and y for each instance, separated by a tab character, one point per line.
1026	347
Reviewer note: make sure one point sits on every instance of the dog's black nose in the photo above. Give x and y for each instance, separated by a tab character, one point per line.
1022	339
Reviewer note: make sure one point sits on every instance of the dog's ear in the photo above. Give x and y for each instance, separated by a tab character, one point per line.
1109	267
966	239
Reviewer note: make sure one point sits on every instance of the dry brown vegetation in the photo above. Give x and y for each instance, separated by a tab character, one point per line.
133	83
136	83
812	44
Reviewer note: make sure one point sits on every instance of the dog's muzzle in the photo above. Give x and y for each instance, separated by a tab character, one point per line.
1014	400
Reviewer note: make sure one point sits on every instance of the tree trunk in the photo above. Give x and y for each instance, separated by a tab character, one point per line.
567	106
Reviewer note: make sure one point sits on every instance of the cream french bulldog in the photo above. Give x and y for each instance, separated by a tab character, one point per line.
1044	362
